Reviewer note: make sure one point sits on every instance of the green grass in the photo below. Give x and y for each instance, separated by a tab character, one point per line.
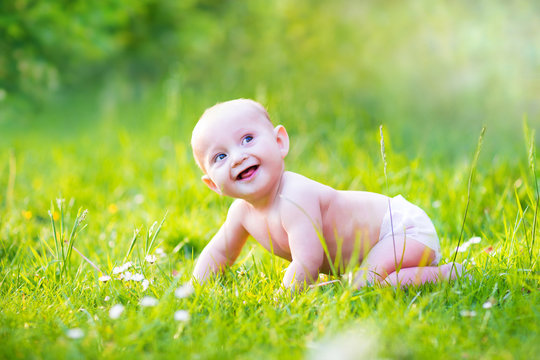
130	178
433	73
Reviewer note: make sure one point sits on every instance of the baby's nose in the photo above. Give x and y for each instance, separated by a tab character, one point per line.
238	159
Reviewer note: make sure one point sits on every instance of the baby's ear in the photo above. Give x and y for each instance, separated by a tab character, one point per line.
211	185
282	139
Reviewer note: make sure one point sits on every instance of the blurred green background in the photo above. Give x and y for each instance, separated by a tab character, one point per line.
98	98
432	72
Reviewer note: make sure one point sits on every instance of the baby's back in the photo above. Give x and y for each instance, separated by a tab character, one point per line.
350	218
353	218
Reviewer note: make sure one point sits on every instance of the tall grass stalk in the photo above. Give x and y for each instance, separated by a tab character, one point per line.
383	154
131	244
530	138
57	244
88	260
63	247
151	235
60	203
81	215
11	179
469	184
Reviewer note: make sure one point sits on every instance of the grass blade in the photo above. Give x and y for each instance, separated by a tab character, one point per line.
132	244
471	177
87	260
11	179
154	236
530	137
383	154
56	242
81	215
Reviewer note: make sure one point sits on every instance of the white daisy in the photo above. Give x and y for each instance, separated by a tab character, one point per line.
126	276
137	277
184	291
489	304
148	301
122	268
145	284
182	315
116	311
474	240
468	313
75	333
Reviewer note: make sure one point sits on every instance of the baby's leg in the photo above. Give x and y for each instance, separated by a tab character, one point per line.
423	274
384	259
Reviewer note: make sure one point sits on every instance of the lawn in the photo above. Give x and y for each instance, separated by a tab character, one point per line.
101	175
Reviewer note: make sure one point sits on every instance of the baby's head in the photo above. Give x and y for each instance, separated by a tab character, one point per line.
238	149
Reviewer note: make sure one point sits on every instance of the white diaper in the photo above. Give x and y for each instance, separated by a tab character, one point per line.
412	221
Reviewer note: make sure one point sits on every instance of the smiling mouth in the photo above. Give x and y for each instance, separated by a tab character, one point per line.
246	174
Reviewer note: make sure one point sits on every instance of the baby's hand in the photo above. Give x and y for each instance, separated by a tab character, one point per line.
324	283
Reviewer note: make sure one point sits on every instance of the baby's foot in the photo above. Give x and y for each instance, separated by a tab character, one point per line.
453	271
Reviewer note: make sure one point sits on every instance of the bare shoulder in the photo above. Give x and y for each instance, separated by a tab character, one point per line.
300	185
302	196
238	211
297	189
238	206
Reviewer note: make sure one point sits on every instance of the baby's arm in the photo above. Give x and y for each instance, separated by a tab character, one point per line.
301	222
225	246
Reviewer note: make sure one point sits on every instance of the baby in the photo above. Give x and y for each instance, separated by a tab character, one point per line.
315	227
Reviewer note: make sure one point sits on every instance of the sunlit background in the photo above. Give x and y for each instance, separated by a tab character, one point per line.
432	72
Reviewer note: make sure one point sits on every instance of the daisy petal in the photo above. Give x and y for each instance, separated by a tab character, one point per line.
137	277
116	311
184	291
75	333
467	313
145	284
148	301
182	315
475	240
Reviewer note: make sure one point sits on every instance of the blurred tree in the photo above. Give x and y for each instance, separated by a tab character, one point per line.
45	45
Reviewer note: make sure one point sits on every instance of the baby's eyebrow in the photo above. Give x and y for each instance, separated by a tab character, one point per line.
243	132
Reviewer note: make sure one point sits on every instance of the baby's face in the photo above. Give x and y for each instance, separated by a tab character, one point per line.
240	151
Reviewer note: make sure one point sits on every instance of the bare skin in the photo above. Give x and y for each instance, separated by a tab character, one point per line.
242	156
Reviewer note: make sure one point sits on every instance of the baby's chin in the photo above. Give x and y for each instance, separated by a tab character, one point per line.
248	193
255	190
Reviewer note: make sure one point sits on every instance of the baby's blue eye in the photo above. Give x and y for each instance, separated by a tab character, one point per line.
220	157
247	139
